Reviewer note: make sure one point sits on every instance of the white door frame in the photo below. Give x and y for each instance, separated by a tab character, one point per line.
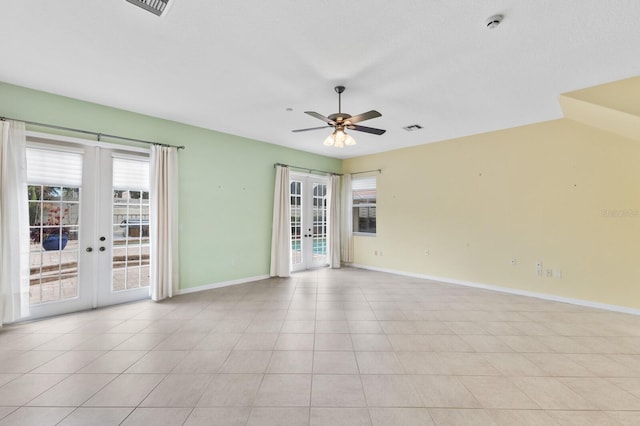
94	255
307	232
104	294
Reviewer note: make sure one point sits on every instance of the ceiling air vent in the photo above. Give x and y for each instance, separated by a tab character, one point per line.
412	128
154	6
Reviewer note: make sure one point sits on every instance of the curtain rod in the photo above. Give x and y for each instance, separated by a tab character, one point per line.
306	168
87	132
366	171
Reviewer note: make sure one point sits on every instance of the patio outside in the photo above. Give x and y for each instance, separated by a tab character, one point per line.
54	215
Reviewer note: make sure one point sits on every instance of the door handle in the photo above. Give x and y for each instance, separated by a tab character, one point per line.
89	249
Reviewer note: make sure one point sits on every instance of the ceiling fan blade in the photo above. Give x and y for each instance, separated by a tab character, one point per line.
320	117
366	129
364	116
311	128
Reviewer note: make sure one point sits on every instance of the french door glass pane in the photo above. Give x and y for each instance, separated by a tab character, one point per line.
319	222
130	239
54	213
296	222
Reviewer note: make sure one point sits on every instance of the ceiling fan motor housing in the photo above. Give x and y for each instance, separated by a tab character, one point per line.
339	117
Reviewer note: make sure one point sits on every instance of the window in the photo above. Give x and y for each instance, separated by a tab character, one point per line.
363	191
54	180
130	223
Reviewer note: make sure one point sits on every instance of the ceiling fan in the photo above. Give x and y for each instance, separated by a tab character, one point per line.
341	121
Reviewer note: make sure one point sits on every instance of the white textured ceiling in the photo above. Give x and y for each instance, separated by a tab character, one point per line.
236	66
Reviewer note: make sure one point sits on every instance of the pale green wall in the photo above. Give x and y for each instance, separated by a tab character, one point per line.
226	181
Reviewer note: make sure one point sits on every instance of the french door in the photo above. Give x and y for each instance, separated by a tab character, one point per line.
88	226
308	222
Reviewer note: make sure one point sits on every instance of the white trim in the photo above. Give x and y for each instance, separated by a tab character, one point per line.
544	296
221	284
302	175
81	141
364	234
131	156
40	144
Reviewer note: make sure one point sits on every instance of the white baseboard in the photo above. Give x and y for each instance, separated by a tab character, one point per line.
221	284
545	296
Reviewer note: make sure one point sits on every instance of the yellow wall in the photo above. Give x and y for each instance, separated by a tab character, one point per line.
619	95
612	107
558	192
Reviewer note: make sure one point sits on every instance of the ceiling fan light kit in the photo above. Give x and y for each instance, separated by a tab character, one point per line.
341	121
339	138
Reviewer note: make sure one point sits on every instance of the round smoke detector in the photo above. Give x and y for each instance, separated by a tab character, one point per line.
494	21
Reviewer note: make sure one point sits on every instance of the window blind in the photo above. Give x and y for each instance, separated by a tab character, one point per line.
54	168
364	190
130	174
365	183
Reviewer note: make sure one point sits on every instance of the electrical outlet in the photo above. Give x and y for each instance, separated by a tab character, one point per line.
375	252
539	272
558	274
549	273
426	252
514	261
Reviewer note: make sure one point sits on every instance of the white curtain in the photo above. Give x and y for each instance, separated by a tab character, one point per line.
347	220
333	225
14	223
281	231
163	222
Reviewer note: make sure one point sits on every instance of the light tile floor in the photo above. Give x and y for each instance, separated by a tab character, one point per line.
326	347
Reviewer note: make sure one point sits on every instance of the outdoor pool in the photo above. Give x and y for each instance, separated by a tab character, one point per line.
319	246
